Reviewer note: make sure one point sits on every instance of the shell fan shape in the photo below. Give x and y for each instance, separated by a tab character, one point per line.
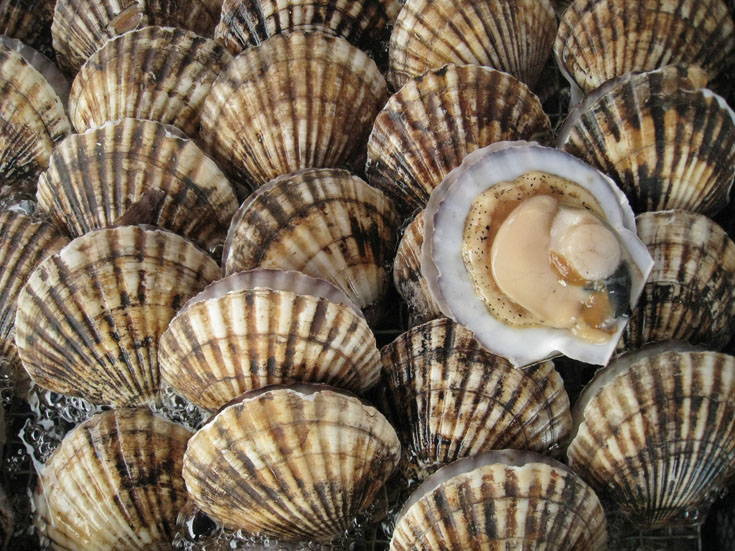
90	317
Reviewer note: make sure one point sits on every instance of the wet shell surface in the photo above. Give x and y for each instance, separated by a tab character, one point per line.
265	327
137	172
654	432
155	73
28	21
90	316
295	463
502	500
113	483
689	294
599	40
515	37
459	400
326	223
667	143
434	121
296	101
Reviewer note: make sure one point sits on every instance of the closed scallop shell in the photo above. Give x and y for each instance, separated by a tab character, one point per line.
655	433
459	400
435	120
667	143
254	329
296	101
141	172
326	223
114	483
689	294
502	500
295	463
90	316
28	21
155	73
511	36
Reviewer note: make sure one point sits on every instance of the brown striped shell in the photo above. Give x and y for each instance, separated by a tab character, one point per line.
435	120
599	40
655	433
90	316
458	400
511	36
136	172
295	463
114	483
666	142
81	27
296	101
28	21
502	500
156	73
265	327
326	223
689	294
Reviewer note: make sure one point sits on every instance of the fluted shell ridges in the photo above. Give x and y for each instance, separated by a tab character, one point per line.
29	22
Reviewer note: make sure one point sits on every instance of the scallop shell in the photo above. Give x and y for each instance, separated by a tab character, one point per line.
140	171
264	327
689	294
90	316
598	40
668	144
511	36
323	222
28	21
458	400
113	483
156	73
502	500
434	121
297	101
81	27
296	463
656	433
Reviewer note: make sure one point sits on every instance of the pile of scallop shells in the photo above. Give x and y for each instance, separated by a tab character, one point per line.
349	234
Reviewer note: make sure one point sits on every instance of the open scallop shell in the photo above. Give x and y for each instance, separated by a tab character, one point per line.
139	171
296	463
511	36
598	40
114	483
502	500
323	222
28	21
296	101
434	121
156	73
667	143
90	316
264	327
458	400
655	432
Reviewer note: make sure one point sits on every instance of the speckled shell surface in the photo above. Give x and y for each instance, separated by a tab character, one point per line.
156	73
141	171
297	463
296	101
114	483
90	316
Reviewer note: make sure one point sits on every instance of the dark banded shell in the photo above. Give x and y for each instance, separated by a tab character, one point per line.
90	316
458	400
434	121
28	21
655	433
689	294
296	463
114	483
667	143
155	73
296	101
137	172
511	36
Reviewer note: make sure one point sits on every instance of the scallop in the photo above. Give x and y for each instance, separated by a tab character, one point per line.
28	21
